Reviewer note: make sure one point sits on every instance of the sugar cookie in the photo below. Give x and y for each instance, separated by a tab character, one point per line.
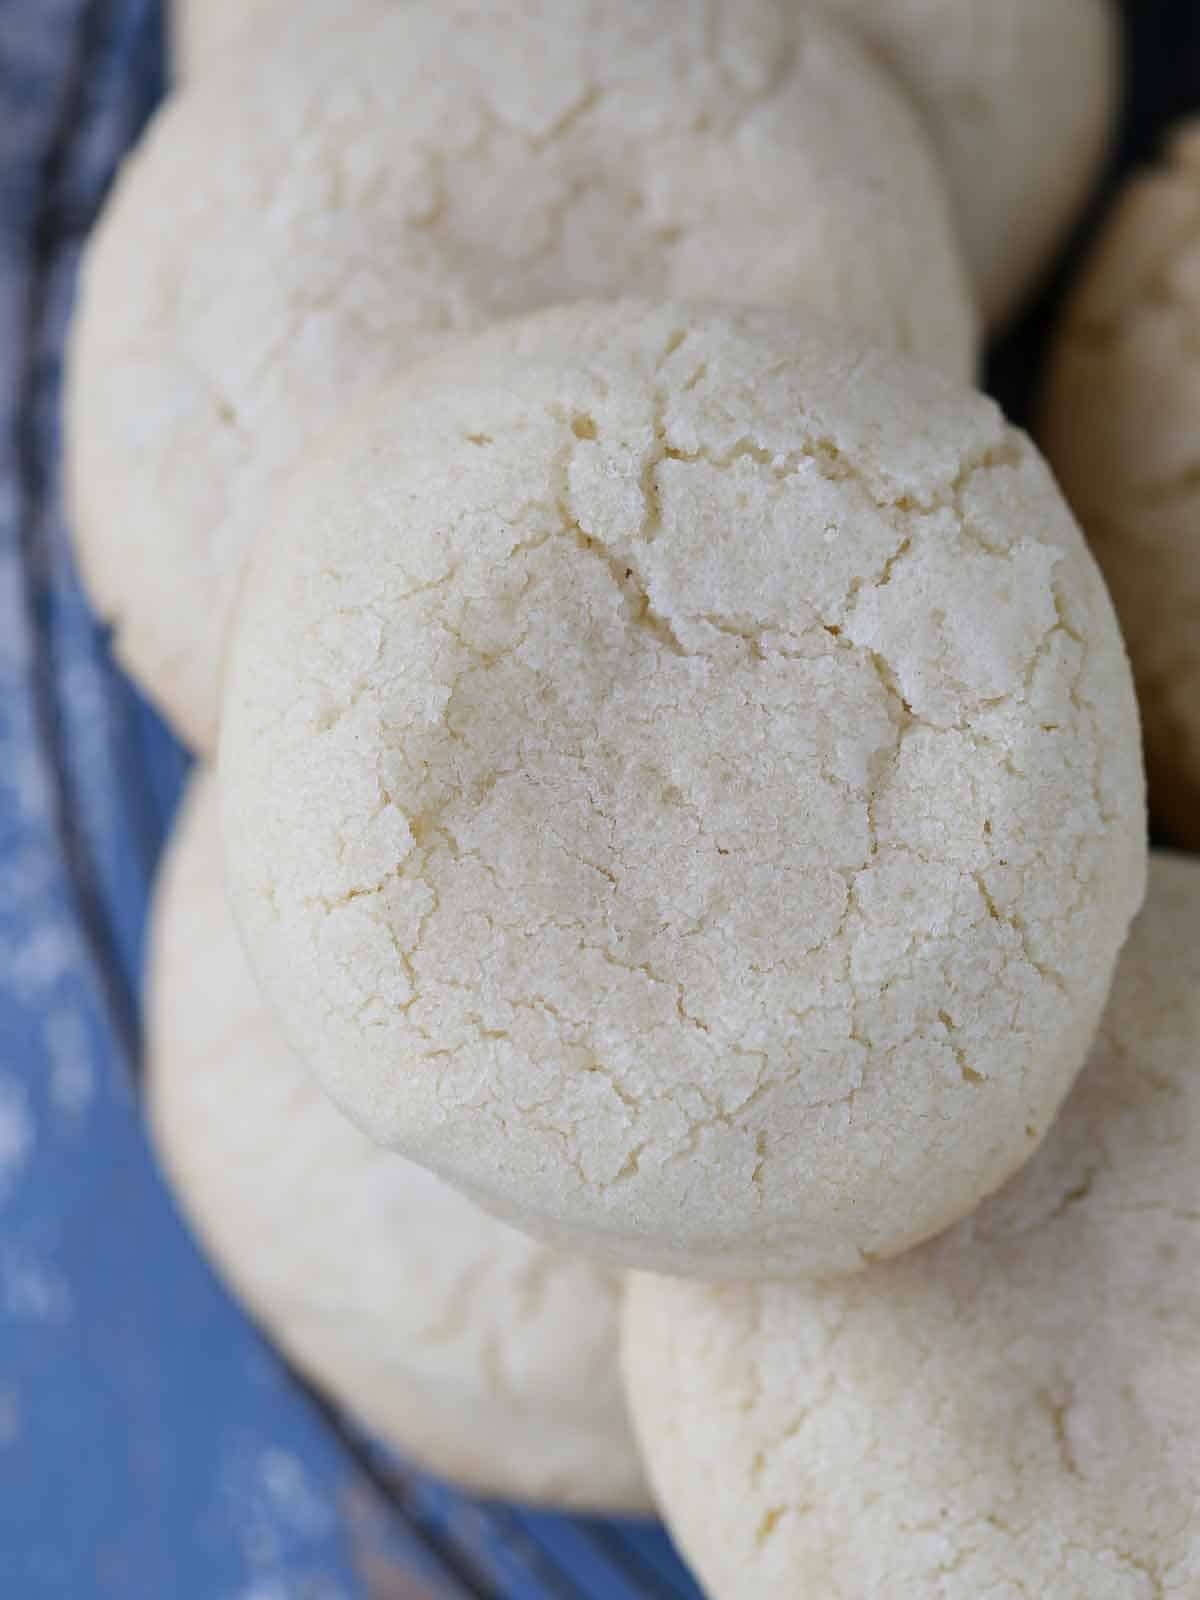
1120	421
682	782
1013	1409
1021	98
202	30
486	1357
348	199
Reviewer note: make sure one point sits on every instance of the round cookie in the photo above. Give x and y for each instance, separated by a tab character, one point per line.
345	199
1120	419
1021	98
682	783
1013	1409
202	30
457	1340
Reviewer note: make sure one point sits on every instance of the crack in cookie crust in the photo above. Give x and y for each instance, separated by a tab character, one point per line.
377	178
687	784
1012	1408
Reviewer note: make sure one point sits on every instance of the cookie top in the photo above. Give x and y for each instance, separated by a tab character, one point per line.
203	30
1013	1409
1021	98
681	781
1120	418
346	198
460	1342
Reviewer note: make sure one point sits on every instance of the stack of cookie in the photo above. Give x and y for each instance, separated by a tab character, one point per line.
678	783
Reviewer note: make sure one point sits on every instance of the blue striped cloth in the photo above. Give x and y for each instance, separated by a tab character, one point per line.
151	1443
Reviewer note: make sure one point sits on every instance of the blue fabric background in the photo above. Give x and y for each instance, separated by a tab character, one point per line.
151	1443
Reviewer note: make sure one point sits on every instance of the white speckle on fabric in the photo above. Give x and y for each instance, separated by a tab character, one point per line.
17	1133
31	1291
291	1493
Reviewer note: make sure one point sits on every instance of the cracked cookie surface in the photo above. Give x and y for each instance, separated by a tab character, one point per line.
1119	424
459	1341
1012	1409
682	783
347	198
1021	99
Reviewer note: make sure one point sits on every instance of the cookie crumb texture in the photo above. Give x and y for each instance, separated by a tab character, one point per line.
463	1344
682	783
1021	99
1013	1409
362	187
1120	425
